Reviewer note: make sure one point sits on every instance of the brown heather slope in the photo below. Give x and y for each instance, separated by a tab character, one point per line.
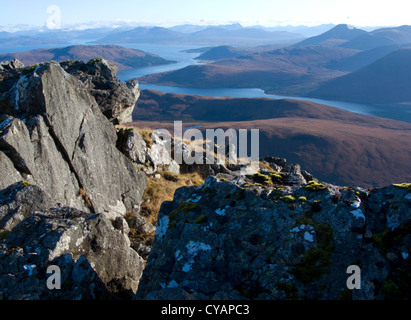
124	58
336	146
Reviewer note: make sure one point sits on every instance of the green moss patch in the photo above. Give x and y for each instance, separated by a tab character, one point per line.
249	185
302	199
4	234
388	239
316	261
94	61
306	219
290	290
324	235
288	199
262	179
201	219
314	186
28	70
188	206
406	186
25	183
313	266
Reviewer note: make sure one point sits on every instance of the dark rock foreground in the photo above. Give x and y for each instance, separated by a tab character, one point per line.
275	235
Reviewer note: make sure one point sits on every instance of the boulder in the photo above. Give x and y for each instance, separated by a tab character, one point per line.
95	259
115	99
159	154
18	201
132	145
10	65
174	167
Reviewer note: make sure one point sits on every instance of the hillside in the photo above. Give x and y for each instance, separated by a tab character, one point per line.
124	58
223	52
381	37
334	37
385	81
335	145
363	58
287	70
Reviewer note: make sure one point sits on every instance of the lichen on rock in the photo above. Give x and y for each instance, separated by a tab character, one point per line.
286	240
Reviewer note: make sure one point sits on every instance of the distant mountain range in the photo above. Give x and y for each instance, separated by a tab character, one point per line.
280	60
331	143
381	37
211	35
124	58
53	37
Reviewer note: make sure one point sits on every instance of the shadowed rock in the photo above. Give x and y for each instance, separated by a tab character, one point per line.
274	236
96	260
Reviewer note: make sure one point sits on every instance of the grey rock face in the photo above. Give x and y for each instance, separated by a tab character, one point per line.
115	99
157	156
95	259
33	156
159	153
132	144
18	201
58	150
10	65
274	236
65	145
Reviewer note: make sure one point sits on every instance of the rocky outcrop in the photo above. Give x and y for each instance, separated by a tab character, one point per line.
56	137
152	155
95	260
156	154
115	98
11	65
274	235
64	186
132	145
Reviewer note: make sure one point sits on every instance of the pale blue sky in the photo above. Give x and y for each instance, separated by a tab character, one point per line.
173	12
